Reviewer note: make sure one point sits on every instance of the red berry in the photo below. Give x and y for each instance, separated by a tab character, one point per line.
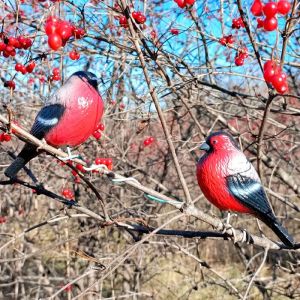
55	71
283	7
283	88
260	22
223	41
243	52
135	14
140	18
23	70
52	19
269	64
67	193
151	139
6	137
55	77
279	83
9	48
97	135
10	84
18	67
256	8
190	2
237	23
78	32
123	21
30	67
153	34
146	142
99	161
2	46
80	167
270	9
12	41
65	30
50	27
181	3
74	173
74	55
100	126
270	69
174	31
27	43
270	24
239	61
54	41
230	39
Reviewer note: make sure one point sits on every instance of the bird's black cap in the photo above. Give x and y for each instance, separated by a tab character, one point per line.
89	76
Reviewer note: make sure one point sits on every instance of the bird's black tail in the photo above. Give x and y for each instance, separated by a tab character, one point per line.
282	233
26	154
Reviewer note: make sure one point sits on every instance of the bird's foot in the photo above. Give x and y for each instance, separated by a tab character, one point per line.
70	156
229	215
226	227
94	167
246	237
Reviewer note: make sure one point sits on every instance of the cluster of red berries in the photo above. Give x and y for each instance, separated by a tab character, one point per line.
25	69
184	3
240	57
9	45
74	55
5	137
269	10
274	75
67	193
97	133
139	17
55	75
237	23
60	31
227	40
148	141
104	161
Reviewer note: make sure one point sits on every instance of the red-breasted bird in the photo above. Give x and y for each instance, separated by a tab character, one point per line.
230	182
68	118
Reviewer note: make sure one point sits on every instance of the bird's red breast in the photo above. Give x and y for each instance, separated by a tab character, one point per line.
212	170
83	111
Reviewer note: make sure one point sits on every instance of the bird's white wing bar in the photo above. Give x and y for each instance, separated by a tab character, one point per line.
47	122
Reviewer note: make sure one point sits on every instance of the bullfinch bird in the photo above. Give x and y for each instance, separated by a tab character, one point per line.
230	182
68	118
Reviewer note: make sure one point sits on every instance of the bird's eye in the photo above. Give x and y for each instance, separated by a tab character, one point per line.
214	141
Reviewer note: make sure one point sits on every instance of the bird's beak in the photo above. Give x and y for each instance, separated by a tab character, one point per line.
205	147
